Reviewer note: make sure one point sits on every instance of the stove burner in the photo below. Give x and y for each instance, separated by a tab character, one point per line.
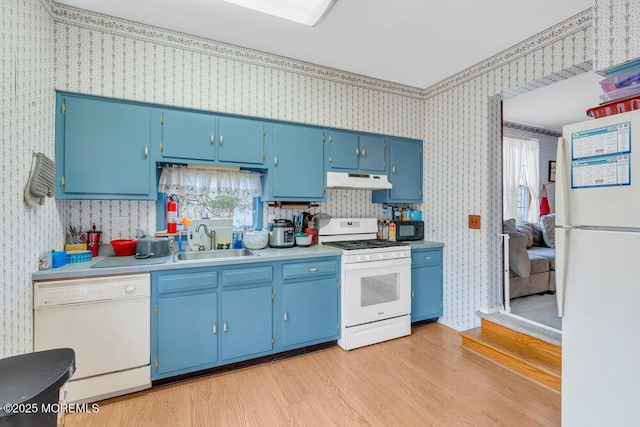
363	244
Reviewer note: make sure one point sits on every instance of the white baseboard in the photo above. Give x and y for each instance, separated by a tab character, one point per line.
492	310
451	325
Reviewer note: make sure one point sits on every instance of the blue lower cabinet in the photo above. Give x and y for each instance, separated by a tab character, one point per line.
186	334
247	323
310	311
211	316
426	284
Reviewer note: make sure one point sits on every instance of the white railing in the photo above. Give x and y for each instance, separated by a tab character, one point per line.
506	289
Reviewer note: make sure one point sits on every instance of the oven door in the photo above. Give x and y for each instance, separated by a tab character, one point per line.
376	290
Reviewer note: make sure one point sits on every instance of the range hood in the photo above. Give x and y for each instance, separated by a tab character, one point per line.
357	181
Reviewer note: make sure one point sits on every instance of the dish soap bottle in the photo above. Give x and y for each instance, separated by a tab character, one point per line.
392	231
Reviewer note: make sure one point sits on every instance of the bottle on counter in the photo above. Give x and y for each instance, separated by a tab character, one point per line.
380	229
385	230
392	232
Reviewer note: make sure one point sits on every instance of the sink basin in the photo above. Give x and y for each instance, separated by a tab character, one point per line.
223	253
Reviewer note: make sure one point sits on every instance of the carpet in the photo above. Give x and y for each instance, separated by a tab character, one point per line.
539	308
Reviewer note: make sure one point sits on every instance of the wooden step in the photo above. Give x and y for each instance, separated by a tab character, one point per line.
530	356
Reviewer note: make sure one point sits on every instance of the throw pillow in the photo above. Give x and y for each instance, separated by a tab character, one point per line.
525	228
518	255
509	225
538	240
549	230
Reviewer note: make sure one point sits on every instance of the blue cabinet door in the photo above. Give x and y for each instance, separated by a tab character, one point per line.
187	335
426	284
343	150
373	150
188	135
309	311
246	319
241	140
426	302
295	169
405	172
102	148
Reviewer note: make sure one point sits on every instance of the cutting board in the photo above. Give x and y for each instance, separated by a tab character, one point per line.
129	261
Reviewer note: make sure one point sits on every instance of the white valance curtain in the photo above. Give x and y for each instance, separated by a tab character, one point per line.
515	154
209	182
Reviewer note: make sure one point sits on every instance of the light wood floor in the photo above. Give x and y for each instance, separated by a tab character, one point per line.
424	379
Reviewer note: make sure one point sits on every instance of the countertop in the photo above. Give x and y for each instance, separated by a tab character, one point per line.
425	244
83	269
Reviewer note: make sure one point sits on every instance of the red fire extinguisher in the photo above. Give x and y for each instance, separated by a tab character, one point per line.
172	216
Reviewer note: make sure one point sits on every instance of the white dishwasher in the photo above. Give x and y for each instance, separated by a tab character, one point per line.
105	320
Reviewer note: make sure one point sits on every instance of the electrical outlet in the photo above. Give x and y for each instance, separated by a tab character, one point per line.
474	222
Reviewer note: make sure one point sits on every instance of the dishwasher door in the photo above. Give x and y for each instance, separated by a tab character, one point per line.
105	320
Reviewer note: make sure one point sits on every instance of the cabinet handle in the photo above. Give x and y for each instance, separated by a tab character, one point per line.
225	326
221	138
364	154
393	169
212	138
412	295
275	160
146	151
357	151
427	258
312	269
330	138
285	316
215	328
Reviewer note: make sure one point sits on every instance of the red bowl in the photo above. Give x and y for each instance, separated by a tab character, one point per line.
123	247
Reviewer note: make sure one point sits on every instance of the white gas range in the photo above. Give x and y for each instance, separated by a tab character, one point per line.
376	282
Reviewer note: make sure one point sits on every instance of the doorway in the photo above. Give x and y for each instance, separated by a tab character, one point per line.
535	115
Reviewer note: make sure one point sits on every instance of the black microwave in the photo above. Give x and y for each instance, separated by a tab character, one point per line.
409	230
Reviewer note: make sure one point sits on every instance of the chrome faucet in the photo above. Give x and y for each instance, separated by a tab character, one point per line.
211	234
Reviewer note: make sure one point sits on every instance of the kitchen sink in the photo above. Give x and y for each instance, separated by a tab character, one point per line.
221	253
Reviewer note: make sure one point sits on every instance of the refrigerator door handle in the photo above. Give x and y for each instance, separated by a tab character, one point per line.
562	249
562	189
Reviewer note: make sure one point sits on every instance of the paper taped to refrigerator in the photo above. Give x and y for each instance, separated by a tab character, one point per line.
601	172
601	157
603	141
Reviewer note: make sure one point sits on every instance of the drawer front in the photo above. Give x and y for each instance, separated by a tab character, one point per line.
309	269
187	282
426	257
247	276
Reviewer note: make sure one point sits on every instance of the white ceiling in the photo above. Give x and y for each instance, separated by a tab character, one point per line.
412	42
555	105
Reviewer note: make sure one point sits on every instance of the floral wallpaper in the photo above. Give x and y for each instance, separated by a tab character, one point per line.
616	34
26	126
47	46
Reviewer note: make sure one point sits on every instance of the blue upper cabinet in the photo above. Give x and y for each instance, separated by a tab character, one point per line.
372	153
242	140
350	152
188	135
405	172
197	136
295	170
103	149
342	150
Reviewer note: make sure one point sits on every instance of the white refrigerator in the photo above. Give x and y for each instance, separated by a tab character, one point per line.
598	270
